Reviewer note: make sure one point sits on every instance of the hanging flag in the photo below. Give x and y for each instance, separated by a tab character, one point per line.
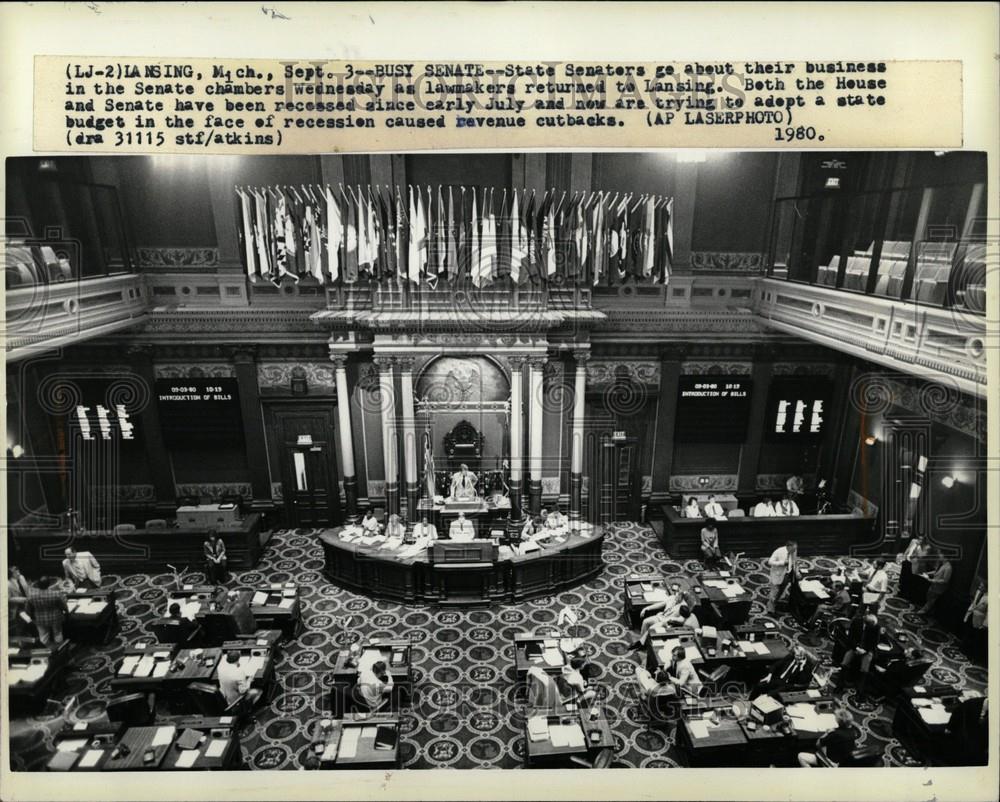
548	239
648	239
667	237
488	252
351	233
402	239
516	240
334	232
248	237
503	236
433	238
414	248
451	259
429	477
260	233
600	246
475	240
316	262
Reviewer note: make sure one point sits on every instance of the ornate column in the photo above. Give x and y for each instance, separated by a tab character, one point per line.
409	437
537	364
387	396
347	469
576	455
516	434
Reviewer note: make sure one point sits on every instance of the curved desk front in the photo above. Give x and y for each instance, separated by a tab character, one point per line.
380	573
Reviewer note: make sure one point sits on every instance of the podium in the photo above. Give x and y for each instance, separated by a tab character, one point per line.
463	573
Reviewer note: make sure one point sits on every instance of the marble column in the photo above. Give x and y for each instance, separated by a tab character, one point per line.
537	364
347	469
387	395
576	454
516	434
409	437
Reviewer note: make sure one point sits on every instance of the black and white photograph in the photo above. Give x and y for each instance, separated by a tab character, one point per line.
517	460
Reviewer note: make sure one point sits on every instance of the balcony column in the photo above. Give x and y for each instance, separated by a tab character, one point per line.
387	405
576	454
516	435
537	409
409	437
347	469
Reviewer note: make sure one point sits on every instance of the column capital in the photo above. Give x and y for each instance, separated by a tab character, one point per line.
538	362
517	361
384	361
406	363
581	356
339	361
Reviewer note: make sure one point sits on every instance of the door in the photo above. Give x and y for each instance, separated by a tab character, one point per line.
301	435
618	487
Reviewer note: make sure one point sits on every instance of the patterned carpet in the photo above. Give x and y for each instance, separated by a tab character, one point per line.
466	713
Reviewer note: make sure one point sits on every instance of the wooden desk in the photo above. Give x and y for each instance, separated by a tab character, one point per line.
354	743
529	651
641	591
130	675
92	616
758	537
398	658
719	606
384	573
712	744
595	735
929	740
276	607
32	674
40	550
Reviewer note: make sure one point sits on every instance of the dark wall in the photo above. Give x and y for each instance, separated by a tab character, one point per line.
480	169
733	202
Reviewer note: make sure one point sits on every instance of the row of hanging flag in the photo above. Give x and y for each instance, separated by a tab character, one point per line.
425	234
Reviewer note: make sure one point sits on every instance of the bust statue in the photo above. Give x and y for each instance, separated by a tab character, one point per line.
463	484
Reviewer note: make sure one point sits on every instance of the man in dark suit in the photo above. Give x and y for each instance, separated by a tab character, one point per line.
837	744
969	727
862	641
792	672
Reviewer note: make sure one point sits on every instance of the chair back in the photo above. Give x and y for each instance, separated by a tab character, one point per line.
172	630
156	523
604	758
134	709
736	512
123	528
218	627
207	698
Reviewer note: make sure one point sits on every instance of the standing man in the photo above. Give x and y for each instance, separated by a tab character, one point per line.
47	608
461	529
783	568
939	580
862	641
877	586
82	569
215	559
713	509
911	563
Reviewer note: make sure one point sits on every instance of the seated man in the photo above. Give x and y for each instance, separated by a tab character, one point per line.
461	529
793	672
713	509
676	678
862	641
370	523
711	554
787	508
424	531
909	669
838	605
234	680
764	509
174	611
463	484
659	614
836	745
374	686
395	528
692	510
685	617
556	520
529	527
82	569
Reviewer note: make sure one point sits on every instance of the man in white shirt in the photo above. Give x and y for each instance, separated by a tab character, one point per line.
782	569
370	523
787	508
764	509
425	531
82	569
556	520
692	510
878	585
374	686
234	681
462	530
713	509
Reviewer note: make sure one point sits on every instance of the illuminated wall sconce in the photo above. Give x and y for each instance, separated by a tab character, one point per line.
703	481
915	491
922	464
15	451
948	481
871	440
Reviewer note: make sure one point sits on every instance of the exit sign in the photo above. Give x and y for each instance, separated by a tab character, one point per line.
618	434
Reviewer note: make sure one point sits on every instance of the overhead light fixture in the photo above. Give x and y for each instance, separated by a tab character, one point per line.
948	481
914	490
922	464
871	440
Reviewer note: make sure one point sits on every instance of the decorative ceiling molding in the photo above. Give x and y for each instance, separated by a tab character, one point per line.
604	372
207	370
715	368
149	256
727	261
275	375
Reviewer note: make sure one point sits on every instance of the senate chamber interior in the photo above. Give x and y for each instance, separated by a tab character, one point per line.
501	460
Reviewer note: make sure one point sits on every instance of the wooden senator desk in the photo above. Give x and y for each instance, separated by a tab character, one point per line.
92	616
758	537
398	659
590	735
720	741
530	651
382	573
921	720
32	674
276	607
720	604
151	748
360	742
641	591
663	638
40	551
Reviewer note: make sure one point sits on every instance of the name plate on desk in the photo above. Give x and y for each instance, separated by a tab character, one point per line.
482	551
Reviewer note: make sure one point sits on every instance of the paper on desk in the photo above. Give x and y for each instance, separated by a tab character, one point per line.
745	645
538	728
287	603
259	599
655	595
723	573
708	631
160	670
129	664
71	744
349	742
164	736
760	647
574	735
698	727
144	667
90	758
813	693
369	732
71	605
934	714
216	748
552	657
186	759
729	591
34	671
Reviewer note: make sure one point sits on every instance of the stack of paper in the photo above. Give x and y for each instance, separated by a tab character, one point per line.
538	728
729	591
349	742
759	647
698	727
552	657
160	669
164	736
128	665
216	748
287	603
655	595
191	609
259	599
934	714
145	666
90	758
15	674
187	758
